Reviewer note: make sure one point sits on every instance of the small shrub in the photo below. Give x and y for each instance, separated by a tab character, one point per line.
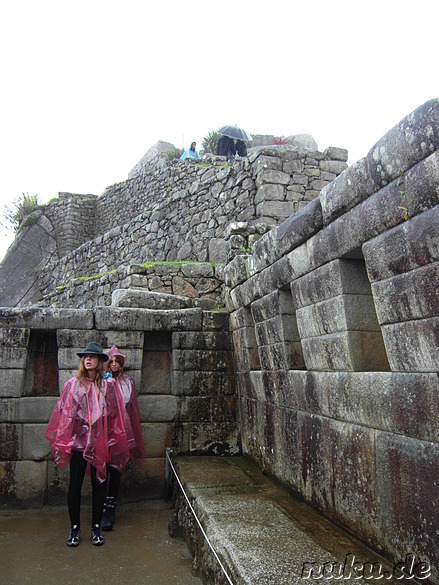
174	153
210	142
15	215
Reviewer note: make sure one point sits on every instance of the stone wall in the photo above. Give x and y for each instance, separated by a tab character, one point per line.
178	210
335	329
202	282
73	218
182	364
187	209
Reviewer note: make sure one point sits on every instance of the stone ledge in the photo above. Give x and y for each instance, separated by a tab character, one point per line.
261	534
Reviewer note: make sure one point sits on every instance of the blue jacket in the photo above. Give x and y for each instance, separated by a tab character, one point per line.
190	154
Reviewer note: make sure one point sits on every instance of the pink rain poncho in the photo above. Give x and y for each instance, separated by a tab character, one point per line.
90	420
132	415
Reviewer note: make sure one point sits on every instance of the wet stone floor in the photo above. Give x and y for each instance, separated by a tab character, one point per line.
138	551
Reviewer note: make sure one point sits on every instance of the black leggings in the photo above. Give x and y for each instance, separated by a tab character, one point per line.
78	466
113	481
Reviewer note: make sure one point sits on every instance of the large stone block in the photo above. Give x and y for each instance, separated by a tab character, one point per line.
197	270
278	329
35	446
203	383
11	383
409	296
421	185
10	441
158	408
47	318
342	313
245	349
79	338
236	271
13	357
148	482
411	245
207	409
270	192
346	351
401	403
345	235
157	437
201	340
407	472
338	468
332	279
251	417
264	252
108	318
333	166
354	468
14	337
146	299
274	176
414	138
241	318
214	321
23	483
214	438
247	359
275	209
279	302
58	484
412	346
202	360
263	162
64	375
409	142
293	389
277	276
245	385
36	409
287	389
289	235
282	356
287	461
259	387
244	294
9	409
351	187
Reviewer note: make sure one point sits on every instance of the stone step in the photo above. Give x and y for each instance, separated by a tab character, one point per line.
259	532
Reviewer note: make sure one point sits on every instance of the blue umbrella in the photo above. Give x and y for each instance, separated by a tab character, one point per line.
235	132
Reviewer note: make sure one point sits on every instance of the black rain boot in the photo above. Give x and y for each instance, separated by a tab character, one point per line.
109	515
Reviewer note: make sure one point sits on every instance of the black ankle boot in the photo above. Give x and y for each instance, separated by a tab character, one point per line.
109	515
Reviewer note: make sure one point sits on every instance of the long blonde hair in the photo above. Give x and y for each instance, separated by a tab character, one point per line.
82	372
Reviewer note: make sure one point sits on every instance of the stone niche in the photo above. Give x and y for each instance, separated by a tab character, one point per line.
336	319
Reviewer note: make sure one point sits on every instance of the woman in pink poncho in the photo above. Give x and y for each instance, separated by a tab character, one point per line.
115	366
86	423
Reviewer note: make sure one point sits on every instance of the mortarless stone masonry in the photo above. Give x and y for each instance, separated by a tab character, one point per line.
330	288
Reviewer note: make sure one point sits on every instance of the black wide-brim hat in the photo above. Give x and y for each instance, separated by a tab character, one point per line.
94	349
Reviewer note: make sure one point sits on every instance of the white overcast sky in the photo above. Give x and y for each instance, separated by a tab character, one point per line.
88	86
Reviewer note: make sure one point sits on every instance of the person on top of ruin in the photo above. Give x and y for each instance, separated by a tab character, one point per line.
115	367
86	424
226	147
191	152
241	148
